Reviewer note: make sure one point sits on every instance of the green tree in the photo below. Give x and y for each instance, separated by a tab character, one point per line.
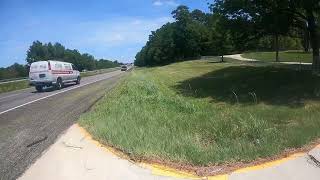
284	15
35	52
39	52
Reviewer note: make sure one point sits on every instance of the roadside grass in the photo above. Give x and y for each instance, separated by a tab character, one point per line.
188	113
285	56
100	71
12	86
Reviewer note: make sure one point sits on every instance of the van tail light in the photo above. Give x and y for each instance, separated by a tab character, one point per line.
49	65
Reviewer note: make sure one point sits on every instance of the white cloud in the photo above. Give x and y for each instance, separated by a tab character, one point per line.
157	3
108	38
165	2
123	31
136	22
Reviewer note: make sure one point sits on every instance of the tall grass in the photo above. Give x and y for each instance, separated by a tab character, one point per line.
12	86
149	116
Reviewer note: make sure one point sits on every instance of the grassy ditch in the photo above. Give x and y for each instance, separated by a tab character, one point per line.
205	113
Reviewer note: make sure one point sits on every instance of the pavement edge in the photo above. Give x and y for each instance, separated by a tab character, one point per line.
162	170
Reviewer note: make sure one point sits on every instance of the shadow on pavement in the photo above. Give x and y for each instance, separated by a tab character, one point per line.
52	88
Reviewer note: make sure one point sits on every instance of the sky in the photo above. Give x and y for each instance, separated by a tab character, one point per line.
109	29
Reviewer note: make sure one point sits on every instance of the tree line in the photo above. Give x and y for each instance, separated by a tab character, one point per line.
14	71
39	51
232	27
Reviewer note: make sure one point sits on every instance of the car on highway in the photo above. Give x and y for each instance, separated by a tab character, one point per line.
124	67
52	73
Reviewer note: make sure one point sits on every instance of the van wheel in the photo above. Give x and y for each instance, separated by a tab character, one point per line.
78	80
39	88
59	84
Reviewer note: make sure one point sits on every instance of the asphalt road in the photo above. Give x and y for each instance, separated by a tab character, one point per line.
30	121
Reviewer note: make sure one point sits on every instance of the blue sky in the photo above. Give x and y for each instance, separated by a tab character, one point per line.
111	29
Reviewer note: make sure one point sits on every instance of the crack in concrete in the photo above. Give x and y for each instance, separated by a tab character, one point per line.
314	160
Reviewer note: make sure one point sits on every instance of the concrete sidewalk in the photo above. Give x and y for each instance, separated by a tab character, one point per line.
76	156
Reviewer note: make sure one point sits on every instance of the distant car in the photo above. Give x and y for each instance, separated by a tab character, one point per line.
52	73
124	68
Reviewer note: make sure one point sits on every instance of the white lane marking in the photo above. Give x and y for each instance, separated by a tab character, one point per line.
74	87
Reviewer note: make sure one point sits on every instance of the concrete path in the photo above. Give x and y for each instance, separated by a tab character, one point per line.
76	156
240	58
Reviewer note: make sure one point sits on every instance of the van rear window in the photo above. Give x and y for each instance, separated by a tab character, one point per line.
38	67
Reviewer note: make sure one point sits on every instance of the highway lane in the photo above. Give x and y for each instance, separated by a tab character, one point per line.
13	99
31	121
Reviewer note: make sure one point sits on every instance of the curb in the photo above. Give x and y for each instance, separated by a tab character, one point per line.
162	170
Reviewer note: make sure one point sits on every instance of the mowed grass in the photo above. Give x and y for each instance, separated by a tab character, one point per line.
204	113
12	86
285	56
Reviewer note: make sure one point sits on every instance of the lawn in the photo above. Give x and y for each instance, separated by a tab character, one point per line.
205	113
286	56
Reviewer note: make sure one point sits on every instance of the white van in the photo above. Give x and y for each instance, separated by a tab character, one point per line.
52	73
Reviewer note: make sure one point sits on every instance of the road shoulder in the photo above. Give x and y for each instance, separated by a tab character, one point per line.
75	155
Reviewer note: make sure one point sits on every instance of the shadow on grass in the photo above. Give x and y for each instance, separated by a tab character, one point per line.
298	52
252	84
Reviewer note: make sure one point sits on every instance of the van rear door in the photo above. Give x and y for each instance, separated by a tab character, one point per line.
39	71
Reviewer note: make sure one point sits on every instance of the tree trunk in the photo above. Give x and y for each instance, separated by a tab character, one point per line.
306	40
314	37
277	47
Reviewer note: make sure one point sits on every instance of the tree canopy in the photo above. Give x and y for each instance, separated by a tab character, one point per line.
234	26
276	17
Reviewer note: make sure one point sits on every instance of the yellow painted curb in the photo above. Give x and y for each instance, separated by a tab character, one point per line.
219	177
161	170
106	148
269	164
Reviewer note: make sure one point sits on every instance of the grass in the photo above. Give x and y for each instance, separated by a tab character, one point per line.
286	56
96	72
188	112
12	86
